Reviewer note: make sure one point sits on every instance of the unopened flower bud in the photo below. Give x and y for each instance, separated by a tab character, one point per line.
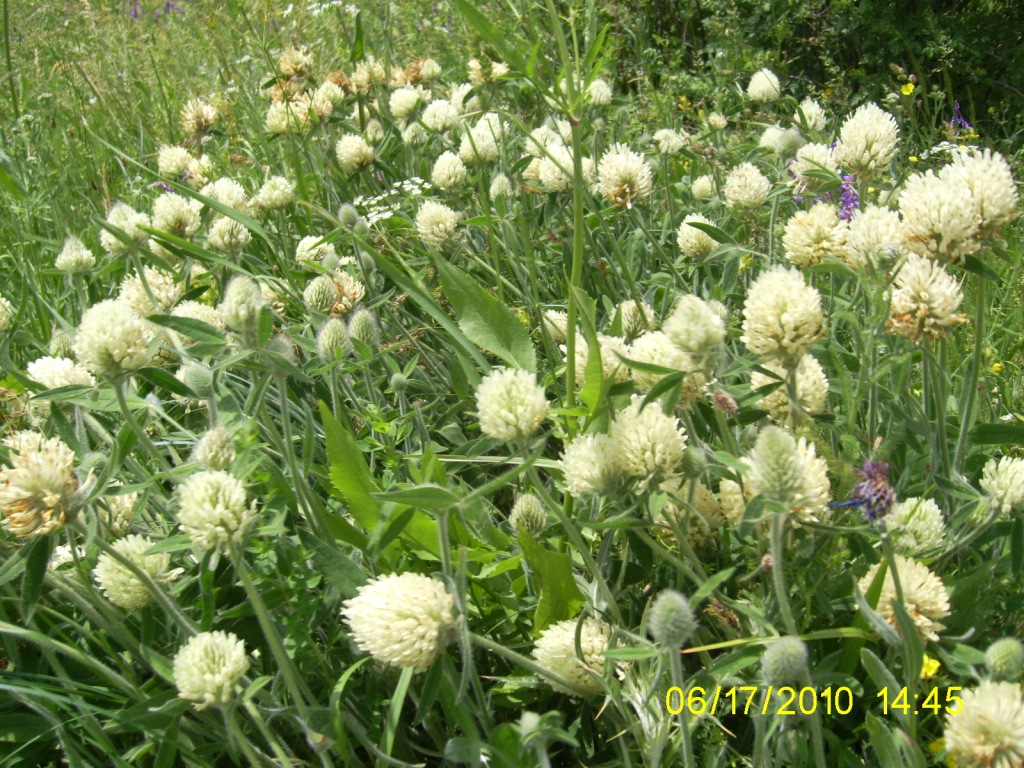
671	621
528	514
694	463
348	215
363	327
1005	659
198	378
784	661
332	341
215	449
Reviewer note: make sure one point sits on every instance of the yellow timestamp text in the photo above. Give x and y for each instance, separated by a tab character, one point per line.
903	701
756	699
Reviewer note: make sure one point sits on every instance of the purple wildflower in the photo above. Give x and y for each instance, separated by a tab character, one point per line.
849	200
958	122
873	492
163	185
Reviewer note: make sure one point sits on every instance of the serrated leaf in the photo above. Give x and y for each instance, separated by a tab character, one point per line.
559	598
348	471
485	320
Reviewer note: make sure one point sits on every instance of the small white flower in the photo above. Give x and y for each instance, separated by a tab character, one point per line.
746	187
924	300
813	235
695	243
176	215
276	192
449	171
208	666
353	153
811	115
312	249
213	510
924	595
128	220
916	526
39	490
122	587
624	176
988	729
113	339
555	651
817	158
868	141
811	388
510	404
764	87
590	464
669	142
650	443
435	223
1003	481
939	219
782	316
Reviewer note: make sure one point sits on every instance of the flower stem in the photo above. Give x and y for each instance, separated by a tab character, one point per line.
971	385
779	571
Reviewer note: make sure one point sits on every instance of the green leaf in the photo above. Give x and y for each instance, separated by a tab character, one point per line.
485	320
348	471
193	329
339	570
36	563
997	434
978	267
717	234
883	743
170	544
560	598
711	585
595	49
358	52
163	380
594	385
427	496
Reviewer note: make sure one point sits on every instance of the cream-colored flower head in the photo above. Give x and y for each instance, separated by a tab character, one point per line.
215	449
875	237
198	117
528	514
435	223
624	175
813	115
325	97
213	510
510	404
369	72
56	372
74	257
295	62
704	188
815	158
500	187
555	651
782	316
128	220
599	93
590	464
122	587
656	348
868	141
414	134
635	318
287	117
609	348
993	190
1003	482
811	389
813	235
924	595
669	142
227	192
459	100
542	140
764	87
480	144
163	292
988	729
717	121
405	101
39	491
113	339
173	161
939	219
276	192
208	667
195	310
401	620
924	300
788	471
440	115
555	169
696	328
197	172
242	303
695	243
916	526
176	215
6	314
746	187
228	236
649	442
448	172
556	322
782	141
353	153
312	249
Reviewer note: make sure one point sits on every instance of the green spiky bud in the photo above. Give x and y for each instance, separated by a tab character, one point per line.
320	294
671	621
784	661
332	341
528	514
1005	659
363	327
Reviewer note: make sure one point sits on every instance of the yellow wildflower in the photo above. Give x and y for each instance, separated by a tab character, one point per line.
929	668
907	89
996	368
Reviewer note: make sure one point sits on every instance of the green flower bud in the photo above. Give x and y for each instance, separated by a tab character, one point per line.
320	294
1005	659
671	621
332	341
528	514
363	327
784	661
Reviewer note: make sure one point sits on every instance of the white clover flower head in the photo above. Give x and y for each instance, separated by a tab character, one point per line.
624	176
176	215
816	158
277	192
988	729
75	258
39	491
374	131
746	187
312	249
195	310
117	512
696	328
656	348
500	187
555	651
813	116
590	464
288	117
924	300
650	443
635	318
609	349
599	93
242	303
348	293
401	620
1003	483
228	236
717	121
113	339
215	449
436	223
56	372
939	219
353	153
198	117
208	667
916	526
704	188
440	115
867	141
788	470
173	161
429	70
782	316
195	175
811	389
1005	659
994	193
924	596
227	192
480	144
782	141
813	235
695	243
122	587
764	87
213	510
404	101
669	142
704	513
164	291
6	314
295	62
332	341
542	139
448	172
510	404
875	236
128	220
459	100
414	134
555	170
556	322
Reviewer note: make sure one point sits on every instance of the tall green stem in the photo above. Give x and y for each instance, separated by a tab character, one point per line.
971	385
779	571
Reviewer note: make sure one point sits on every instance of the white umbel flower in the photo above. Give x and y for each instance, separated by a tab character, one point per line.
401	620
987	175
353	153
782	316
128	220
649	442
811	388
624	176
122	587
590	464
669	142
764	87
988	729
448	172
38	492
208	667
816	158
510	404
813	235
435	223
813	116
788	470
924	300
113	339
74	257
555	651
939	219
746	187
868	141
924	595
695	243
213	510
916	526
875	236
1003	482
